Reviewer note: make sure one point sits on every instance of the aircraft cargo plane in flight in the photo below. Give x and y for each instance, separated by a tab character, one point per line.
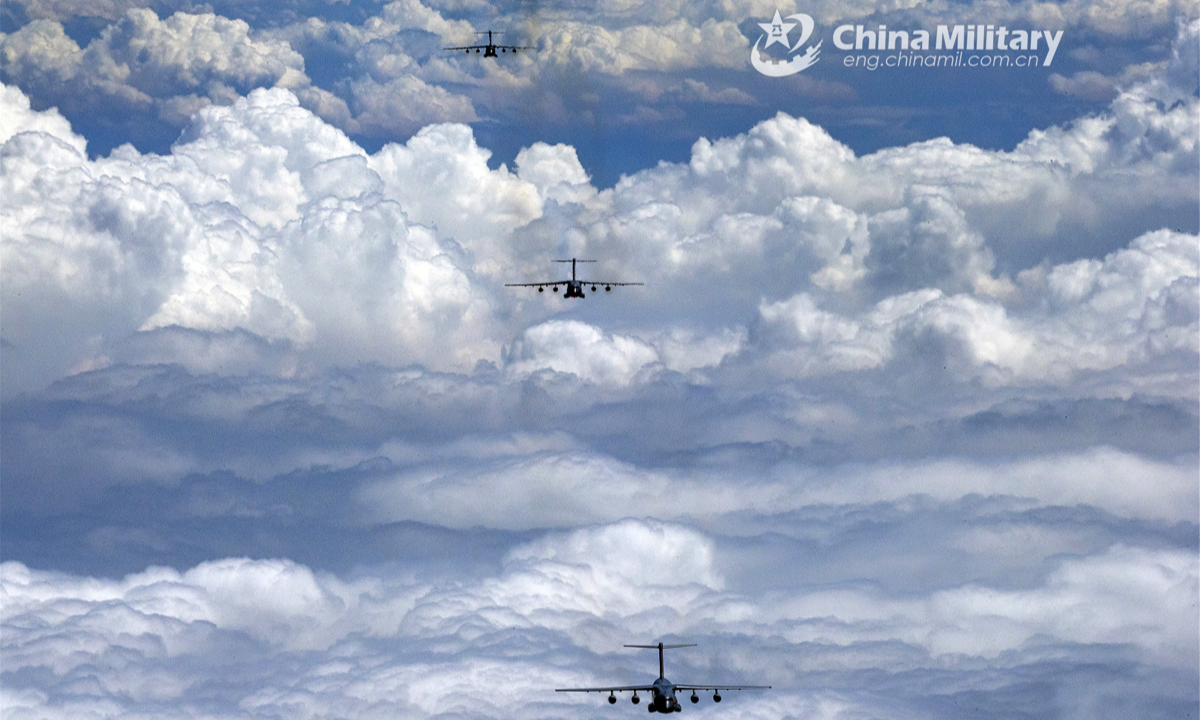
489	49
662	691
574	285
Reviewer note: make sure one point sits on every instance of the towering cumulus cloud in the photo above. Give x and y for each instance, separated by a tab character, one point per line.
242	228
898	432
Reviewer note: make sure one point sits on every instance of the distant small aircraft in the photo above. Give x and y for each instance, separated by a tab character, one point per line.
574	285
489	50
662	692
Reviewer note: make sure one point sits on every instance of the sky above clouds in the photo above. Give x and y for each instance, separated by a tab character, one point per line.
626	83
904	421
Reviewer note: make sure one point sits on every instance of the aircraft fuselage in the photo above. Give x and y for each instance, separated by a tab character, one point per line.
664	697
574	289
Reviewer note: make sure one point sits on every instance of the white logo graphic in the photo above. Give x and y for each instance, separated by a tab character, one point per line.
777	32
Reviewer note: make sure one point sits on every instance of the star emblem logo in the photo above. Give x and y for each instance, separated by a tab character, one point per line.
777	31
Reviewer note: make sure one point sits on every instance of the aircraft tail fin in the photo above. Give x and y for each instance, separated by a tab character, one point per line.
660	647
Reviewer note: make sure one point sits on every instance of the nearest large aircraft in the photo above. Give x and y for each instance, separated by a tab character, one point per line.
662	691
574	285
489	49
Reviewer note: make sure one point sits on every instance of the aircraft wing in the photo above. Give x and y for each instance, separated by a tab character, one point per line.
541	284
721	687
485	47
627	688
601	282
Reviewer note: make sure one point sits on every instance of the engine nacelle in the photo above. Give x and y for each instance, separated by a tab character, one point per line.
636	699
607	288
612	699
716	697
695	698
541	289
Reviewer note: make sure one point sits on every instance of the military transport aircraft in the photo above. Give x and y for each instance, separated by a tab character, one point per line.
489	50
662	692
574	285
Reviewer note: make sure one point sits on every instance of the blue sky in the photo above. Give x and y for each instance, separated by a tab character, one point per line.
903	421
646	76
